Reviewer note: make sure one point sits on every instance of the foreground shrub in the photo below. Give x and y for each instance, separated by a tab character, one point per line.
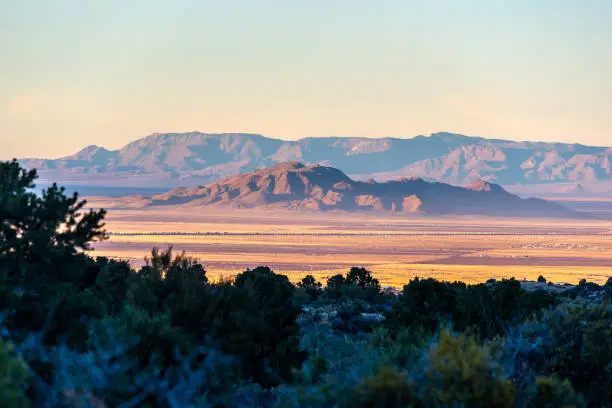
425	303
311	287
252	318
272	348
13	378
486	309
400	348
108	374
573	342
388	388
454	371
358	284
461	372
550	392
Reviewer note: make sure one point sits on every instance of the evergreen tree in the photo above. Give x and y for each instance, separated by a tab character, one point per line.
45	279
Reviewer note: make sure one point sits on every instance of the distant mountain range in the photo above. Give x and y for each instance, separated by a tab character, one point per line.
294	186
191	159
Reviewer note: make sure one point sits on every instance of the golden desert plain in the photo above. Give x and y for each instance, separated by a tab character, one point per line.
396	248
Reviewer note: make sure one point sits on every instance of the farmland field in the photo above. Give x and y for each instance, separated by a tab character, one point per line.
395	248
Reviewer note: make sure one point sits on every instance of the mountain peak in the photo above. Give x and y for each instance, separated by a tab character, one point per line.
574	189
290	165
483	185
294	186
455	137
91	153
91	147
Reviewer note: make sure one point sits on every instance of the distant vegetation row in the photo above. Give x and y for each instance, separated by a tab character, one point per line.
79	331
357	234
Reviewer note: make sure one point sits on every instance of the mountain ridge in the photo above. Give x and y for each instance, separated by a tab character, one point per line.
193	158
295	186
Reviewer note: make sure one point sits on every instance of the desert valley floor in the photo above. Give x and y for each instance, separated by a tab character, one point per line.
395	248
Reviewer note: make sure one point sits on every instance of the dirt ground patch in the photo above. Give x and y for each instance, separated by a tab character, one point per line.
395	248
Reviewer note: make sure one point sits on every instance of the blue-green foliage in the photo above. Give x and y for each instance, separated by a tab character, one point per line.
78	331
13	377
486	309
572	341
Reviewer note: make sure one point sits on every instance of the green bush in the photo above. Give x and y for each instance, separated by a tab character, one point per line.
425	303
358	284
253	318
311	287
400	348
573	342
456	371
388	388
363	279
550	392
461	372
486	309
13	378
272	346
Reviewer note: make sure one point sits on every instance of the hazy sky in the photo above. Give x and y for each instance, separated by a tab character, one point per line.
78	72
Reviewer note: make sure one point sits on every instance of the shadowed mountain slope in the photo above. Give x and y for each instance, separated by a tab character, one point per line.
295	186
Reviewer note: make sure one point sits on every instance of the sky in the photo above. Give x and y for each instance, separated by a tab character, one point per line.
80	72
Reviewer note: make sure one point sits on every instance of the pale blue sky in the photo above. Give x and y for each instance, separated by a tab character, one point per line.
77	72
